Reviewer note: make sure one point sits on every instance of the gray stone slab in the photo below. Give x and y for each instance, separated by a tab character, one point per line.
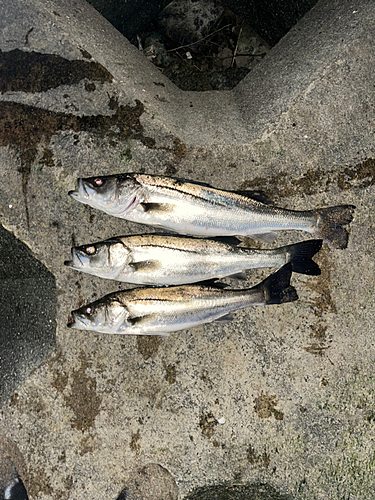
27	313
281	397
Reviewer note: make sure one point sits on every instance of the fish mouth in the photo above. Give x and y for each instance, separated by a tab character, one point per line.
76	262
81	193
77	322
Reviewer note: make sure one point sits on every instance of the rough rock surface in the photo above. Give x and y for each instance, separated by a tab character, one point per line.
282	397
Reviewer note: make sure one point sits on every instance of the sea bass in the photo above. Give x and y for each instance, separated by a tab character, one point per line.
160	311
200	210
151	259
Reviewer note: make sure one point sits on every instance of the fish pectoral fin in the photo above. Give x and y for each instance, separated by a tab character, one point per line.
225	319
268	237
141	320
157	208
145	266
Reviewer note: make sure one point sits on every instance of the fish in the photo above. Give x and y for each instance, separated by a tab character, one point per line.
194	209
152	259
161	311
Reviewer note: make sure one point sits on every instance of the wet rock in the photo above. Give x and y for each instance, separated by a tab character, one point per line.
186	21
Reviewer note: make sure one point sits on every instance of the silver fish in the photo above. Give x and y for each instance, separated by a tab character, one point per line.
160	311
200	210
151	259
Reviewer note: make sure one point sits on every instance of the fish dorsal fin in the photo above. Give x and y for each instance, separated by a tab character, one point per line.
197	183
255	195
213	283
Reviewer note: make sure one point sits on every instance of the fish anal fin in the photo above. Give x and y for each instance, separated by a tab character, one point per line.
229	240
157	208
238	276
145	266
268	237
160	334
225	319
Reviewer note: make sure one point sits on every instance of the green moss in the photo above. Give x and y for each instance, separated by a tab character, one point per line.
126	155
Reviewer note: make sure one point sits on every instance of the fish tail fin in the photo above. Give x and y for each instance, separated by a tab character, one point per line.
330	222
301	254
277	288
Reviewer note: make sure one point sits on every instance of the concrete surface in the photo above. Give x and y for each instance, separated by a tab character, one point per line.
282	399
27	313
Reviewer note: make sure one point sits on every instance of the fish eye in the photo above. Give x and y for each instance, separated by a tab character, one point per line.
90	250
98	181
88	311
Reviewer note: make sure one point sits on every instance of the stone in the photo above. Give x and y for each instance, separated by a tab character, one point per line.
27	313
187	21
